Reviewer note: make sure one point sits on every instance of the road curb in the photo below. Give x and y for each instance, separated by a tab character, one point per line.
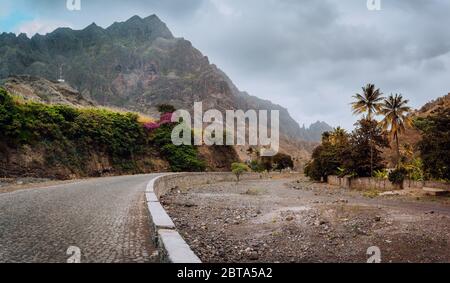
172	246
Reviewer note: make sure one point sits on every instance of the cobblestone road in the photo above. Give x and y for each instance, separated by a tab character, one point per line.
106	218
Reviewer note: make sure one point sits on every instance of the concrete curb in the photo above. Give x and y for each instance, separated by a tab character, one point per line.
173	247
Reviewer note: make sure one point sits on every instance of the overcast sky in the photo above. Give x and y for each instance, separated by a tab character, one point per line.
310	56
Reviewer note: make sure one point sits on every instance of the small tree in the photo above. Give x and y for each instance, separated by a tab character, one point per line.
165	108
256	166
283	161
366	144
329	157
398	176
238	169
370	101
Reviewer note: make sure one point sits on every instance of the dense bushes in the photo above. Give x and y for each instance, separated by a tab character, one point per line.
361	159
257	166
71	135
435	144
328	158
398	176
117	134
348	154
279	161
181	158
282	161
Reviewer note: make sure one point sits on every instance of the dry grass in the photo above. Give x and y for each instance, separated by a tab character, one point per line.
372	193
255	191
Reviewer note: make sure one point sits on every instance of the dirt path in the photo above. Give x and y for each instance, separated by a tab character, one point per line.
297	221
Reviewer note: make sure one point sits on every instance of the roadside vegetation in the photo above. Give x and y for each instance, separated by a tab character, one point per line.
278	162
70	136
360	153
238	169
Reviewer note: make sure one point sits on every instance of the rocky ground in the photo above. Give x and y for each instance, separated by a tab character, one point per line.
294	220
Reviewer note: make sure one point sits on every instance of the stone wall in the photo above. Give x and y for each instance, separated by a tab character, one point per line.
382	184
189	180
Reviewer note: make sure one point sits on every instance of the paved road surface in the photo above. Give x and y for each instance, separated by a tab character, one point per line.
106	218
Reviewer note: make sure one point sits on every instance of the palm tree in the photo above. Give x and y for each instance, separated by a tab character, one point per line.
395	111
369	101
338	136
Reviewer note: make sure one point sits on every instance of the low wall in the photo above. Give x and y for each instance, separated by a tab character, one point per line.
437	185
382	184
172	246
187	180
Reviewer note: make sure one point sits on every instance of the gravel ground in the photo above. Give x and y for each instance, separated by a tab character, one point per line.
291	220
106	218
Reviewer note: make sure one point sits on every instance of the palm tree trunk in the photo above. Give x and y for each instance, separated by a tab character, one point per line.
369	116
398	150
371	158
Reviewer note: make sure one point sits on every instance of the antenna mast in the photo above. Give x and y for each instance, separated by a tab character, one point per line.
61	78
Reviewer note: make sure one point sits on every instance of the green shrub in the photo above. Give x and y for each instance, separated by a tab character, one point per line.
314	171
166	108
256	166
238	169
434	146
381	174
341	172
181	158
70	135
398	176
415	169
282	161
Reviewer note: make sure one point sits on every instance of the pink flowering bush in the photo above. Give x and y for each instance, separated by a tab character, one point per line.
151	125
165	118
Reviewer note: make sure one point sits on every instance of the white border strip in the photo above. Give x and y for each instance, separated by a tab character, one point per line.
170	241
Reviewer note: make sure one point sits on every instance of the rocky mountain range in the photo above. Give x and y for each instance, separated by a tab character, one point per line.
136	65
314	132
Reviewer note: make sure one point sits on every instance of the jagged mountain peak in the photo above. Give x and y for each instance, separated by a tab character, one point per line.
148	28
93	26
314	131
